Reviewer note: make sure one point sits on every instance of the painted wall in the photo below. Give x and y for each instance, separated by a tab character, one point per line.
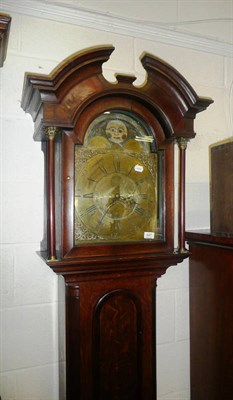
29	303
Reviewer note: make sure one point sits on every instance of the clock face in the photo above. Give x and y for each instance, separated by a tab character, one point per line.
116	183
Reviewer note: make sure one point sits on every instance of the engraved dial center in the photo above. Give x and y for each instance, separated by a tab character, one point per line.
115	196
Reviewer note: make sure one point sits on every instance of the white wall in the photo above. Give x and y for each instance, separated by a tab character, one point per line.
29	355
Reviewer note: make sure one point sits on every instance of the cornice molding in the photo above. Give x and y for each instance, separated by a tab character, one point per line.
117	25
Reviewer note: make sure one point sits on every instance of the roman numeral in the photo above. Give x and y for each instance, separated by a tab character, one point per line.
89	210
143	196
139	210
88	195
131	169
115	229
103	169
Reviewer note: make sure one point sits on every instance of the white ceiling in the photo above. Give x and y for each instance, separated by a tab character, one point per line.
212	19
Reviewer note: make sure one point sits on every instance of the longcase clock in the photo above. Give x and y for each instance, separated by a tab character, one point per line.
109	225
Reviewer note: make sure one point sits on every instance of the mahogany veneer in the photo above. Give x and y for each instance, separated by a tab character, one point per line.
110	287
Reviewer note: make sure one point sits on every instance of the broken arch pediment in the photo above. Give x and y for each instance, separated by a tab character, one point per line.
61	97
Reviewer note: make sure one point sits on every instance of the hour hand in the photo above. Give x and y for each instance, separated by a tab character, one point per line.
106	211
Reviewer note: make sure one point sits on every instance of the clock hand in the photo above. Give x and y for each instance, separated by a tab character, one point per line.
128	200
107	209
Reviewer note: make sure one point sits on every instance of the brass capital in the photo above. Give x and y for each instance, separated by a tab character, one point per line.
51	132
182	142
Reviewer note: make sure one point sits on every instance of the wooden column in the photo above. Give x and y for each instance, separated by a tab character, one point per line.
51	133
182	143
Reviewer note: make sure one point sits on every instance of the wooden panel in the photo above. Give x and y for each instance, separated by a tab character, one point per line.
222	189
211	318
73	343
111	339
117	344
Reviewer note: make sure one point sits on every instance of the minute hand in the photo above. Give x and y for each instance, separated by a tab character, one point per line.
107	209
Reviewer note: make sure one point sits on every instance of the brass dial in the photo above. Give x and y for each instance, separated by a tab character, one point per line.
115	197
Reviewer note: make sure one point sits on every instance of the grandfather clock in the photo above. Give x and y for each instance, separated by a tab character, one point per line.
109	226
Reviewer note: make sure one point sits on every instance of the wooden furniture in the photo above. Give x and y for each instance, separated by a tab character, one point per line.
211	316
92	229
221	163
5	22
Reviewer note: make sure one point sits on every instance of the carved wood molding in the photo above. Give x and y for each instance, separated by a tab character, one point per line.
182	103
5	21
